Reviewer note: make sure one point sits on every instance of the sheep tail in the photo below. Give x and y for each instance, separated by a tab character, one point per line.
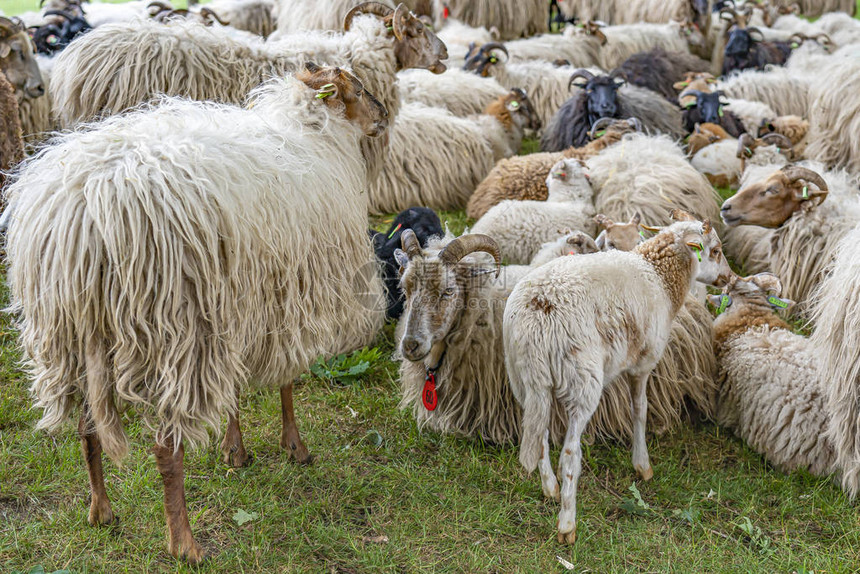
99	396
537	413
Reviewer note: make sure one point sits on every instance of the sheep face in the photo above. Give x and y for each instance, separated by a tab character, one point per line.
600	93
342	91
713	267
568	171
710	106
55	35
521	109
740	42
17	61
620	236
481	59
436	288
771	202
704	135
415	45
761	290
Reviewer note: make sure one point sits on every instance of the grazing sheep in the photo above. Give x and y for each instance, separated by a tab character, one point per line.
791	200
520	228
11	144
785	92
836	338
455	311
574	325
834	116
524	177
771	391
436	159
425	224
649	176
710	108
460	92
199	248
659	70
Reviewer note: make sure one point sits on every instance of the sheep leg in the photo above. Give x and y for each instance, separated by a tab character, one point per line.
570	466
232	447
181	543
548	481
639	404
290	438
100	509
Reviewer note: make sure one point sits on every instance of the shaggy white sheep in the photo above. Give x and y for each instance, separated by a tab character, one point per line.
164	257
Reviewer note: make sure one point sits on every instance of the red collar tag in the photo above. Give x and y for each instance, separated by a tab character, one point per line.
446	12
428	395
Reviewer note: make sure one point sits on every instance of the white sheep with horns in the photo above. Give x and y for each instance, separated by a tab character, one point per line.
574	325
163	258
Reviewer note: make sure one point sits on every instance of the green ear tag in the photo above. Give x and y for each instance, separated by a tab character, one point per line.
725	301
396	229
515	104
720	112
699	254
748	150
805	192
600	134
641	234
685	84
794	45
777	302
325	91
493	60
691	104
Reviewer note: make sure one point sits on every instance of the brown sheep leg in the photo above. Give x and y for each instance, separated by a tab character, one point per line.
232	447
181	543
290	439
100	510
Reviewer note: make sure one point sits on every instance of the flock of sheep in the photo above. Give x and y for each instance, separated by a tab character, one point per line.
197	222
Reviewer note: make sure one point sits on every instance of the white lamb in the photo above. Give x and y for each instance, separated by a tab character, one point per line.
521	227
574	325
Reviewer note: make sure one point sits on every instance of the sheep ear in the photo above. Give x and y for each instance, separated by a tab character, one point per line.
326	91
401	258
681	215
5	49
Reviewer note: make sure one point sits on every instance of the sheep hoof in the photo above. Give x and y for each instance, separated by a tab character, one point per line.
567	537
236	457
101	515
552	494
645	473
298	452
190	551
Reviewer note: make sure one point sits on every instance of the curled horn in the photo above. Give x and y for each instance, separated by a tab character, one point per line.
486	48
580	73
209	13
767	282
730	12
745	143
826	43
60	13
798	38
400	14
752	29
467	244
410	243
635	124
779	140
376	8
599	125
795	172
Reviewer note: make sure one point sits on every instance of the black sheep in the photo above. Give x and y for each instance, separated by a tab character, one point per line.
658	70
426	224
709	108
58	32
597	99
744	51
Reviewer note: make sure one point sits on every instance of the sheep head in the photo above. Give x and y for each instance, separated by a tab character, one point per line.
59	29
600	93
415	44
704	135
794	128
592	28
342	91
17	60
481	59
761	290
691	31
620	236
771	202
437	287
741	41
578	243
613	129
710	105
705	247
517	106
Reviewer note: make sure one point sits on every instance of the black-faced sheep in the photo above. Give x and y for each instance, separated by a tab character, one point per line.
425	224
151	261
574	325
711	108
746	48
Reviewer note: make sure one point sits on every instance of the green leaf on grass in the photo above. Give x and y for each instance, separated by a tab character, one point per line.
241	517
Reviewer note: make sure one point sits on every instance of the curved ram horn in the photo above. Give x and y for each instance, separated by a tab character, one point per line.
61	13
467	244
409	243
746	144
580	73
635	124
599	125
767	282
751	29
400	14
795	172
209	13
519	92
376	8
489	46
776	139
